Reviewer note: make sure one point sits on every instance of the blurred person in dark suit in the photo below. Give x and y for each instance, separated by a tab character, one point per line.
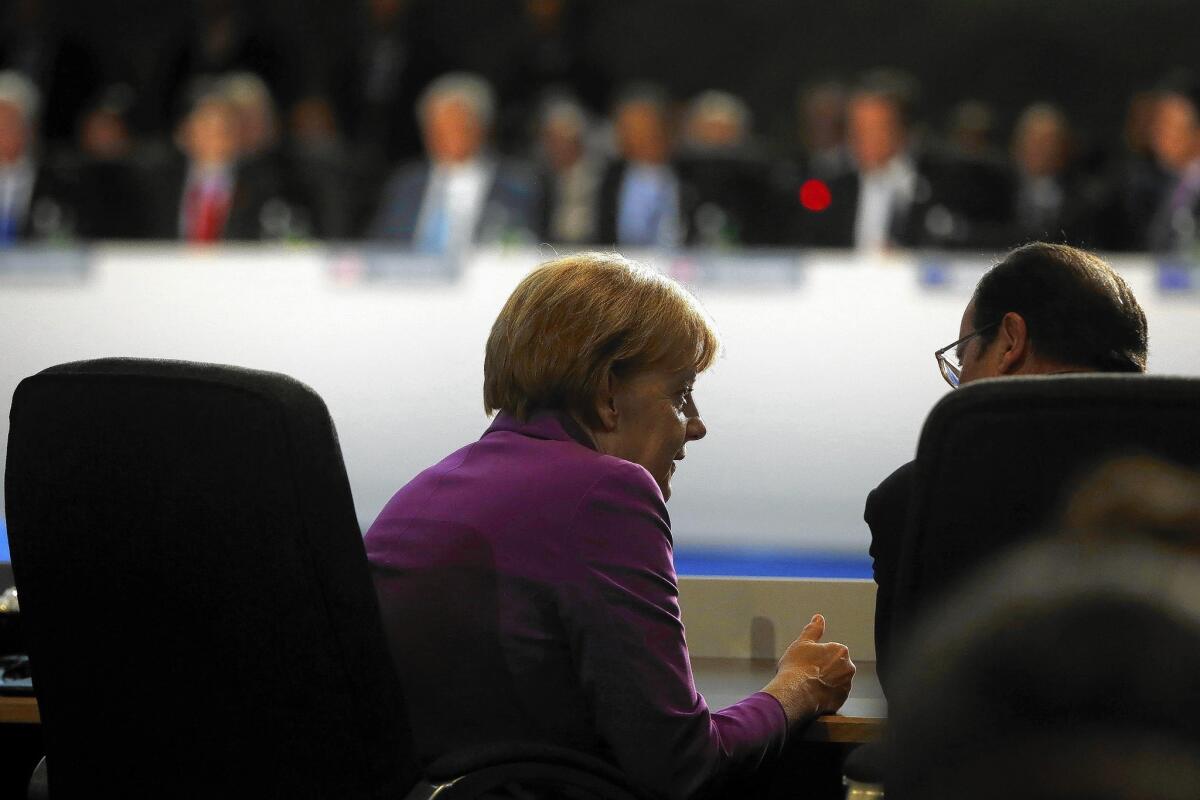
113	193
1175	140
207	193
972	130
1139	119
321	167
37	200
900	194
727	173
1157	199
1053	199
306	187
643	201
569	173
462	194
1043	309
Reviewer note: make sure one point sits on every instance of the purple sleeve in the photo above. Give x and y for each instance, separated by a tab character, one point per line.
621	609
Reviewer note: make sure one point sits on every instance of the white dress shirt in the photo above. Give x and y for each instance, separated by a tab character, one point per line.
453	202
883	195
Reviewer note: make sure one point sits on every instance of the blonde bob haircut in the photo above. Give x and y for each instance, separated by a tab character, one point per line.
576	320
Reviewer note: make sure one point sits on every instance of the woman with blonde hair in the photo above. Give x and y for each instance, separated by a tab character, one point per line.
527	581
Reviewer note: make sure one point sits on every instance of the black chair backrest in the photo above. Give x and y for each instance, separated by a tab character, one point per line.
996	459
194	588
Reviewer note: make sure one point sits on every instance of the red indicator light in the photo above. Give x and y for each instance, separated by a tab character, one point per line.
814	195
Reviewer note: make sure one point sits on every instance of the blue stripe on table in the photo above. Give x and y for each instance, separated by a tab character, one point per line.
764	563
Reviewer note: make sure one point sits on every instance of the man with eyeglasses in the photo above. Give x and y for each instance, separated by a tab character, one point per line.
1044	309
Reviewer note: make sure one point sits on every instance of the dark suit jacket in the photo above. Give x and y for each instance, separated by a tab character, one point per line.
53	204
255	185
1073	222
886	514
509	208
737	186
956	203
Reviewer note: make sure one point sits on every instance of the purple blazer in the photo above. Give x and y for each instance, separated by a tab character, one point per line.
528	590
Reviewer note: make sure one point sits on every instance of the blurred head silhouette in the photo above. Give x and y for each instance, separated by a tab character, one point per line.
1071	670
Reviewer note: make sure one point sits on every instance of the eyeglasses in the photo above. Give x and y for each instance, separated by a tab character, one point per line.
950	370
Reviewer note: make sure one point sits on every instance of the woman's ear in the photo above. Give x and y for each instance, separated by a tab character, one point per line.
606	404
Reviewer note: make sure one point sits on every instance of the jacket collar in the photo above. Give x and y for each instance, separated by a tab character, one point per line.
548	424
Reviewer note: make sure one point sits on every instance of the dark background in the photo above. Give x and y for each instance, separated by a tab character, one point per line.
1088	55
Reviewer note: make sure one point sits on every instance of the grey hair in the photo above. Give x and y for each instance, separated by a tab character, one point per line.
1038	111
715	103
17	90
246	88
466	87
564	109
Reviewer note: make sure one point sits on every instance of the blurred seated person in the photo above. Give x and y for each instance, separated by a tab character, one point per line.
36	199
643	201
533	569
320	166
306	190
113	196
898	195
209	193
1154	202
462	194
1175	141
726	173
570	175
1044	309
1037	681
1053	201
972	130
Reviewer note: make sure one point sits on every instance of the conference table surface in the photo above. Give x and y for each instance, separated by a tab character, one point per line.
722	681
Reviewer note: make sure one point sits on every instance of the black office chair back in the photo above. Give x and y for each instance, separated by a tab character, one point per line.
996	459
200	617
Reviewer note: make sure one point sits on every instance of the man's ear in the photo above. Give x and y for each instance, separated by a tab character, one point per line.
606	404
1015	347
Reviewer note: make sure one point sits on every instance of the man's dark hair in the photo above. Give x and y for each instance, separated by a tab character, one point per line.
900	89
1077	310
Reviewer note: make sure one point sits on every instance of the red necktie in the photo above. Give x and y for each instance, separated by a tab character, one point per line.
208	205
